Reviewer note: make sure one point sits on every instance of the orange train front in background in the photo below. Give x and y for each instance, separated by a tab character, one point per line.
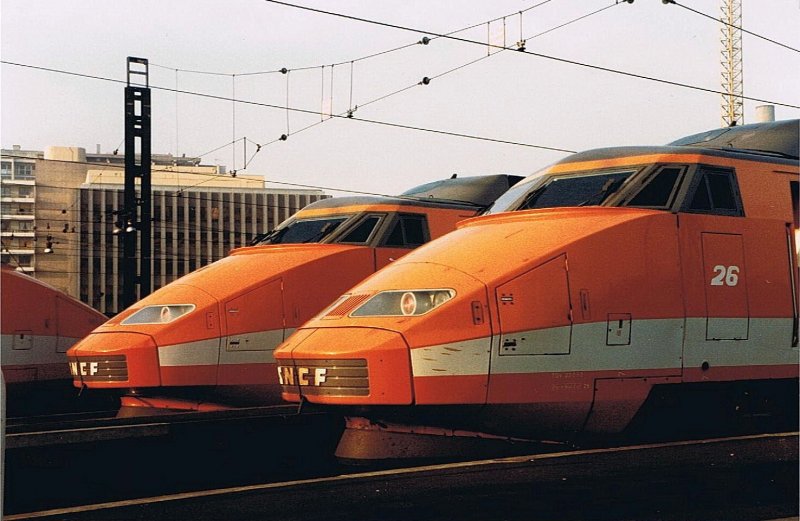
39	323
205	341
616	286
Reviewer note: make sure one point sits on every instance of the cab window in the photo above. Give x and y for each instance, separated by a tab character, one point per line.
361	233
303	230
659	189
575	190
714	191
407	231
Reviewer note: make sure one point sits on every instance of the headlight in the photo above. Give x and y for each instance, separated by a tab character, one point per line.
158	314
404	303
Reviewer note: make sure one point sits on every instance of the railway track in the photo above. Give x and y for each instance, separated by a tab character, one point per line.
22	423
58	464
104	425
742	478
68	460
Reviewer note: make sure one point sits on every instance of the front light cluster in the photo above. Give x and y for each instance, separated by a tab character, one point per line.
158	314
404	303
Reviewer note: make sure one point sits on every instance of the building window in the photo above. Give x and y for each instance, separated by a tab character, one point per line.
5	172
23	170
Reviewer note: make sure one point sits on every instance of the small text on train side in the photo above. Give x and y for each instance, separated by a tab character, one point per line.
288	375
83	368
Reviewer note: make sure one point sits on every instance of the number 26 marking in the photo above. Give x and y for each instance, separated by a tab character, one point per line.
725	275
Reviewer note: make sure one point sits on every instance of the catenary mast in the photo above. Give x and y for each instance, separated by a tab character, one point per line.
732	75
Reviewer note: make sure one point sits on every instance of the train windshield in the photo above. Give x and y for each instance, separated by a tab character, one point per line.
303	230
547	191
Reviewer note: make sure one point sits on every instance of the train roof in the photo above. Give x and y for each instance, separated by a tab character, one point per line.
477	190
473	191
780	138
776	141
9	273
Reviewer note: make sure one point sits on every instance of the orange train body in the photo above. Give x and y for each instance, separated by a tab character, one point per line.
39	323
205	341
590	289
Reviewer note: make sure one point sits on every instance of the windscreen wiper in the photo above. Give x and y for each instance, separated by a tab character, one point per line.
326	230
269	237
609	187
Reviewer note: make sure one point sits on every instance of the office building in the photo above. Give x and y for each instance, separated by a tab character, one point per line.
63	217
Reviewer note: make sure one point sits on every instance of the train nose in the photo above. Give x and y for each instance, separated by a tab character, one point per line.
114	358
352	365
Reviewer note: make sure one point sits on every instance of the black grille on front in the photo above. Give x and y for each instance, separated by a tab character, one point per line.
111	368
326	377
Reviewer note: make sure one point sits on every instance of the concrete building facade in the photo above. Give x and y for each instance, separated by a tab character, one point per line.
63	218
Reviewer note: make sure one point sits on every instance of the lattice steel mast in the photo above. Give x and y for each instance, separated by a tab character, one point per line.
732	74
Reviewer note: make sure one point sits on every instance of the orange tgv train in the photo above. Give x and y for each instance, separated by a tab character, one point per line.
39	323
612	284
205	341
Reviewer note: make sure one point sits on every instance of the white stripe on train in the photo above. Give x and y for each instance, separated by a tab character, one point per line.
244	348
35	349
654	344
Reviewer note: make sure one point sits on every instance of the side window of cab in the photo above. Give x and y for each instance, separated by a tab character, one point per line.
659	189
714	191
407	231
363	231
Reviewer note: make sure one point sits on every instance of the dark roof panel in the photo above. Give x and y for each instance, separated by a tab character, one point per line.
475	191
774	142
780	138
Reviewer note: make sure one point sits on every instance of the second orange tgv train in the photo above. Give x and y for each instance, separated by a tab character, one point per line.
615	282
205	341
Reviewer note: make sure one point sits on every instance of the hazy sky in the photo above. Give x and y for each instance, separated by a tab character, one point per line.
508	96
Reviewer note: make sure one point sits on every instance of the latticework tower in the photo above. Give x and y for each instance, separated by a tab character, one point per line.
732	75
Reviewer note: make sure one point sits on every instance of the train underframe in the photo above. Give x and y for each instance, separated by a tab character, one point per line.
157	401
670	412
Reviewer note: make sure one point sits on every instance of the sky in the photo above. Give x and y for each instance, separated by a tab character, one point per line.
208	51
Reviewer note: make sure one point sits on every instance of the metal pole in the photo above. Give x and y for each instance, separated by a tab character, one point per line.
135	219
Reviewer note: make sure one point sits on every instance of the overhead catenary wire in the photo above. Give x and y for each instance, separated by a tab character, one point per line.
12	256
569	22
233	107
424	41
673	2
527	53
388	123
284	70
351	109
520	47
349	114
221	147
295	109
55	222
213	176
